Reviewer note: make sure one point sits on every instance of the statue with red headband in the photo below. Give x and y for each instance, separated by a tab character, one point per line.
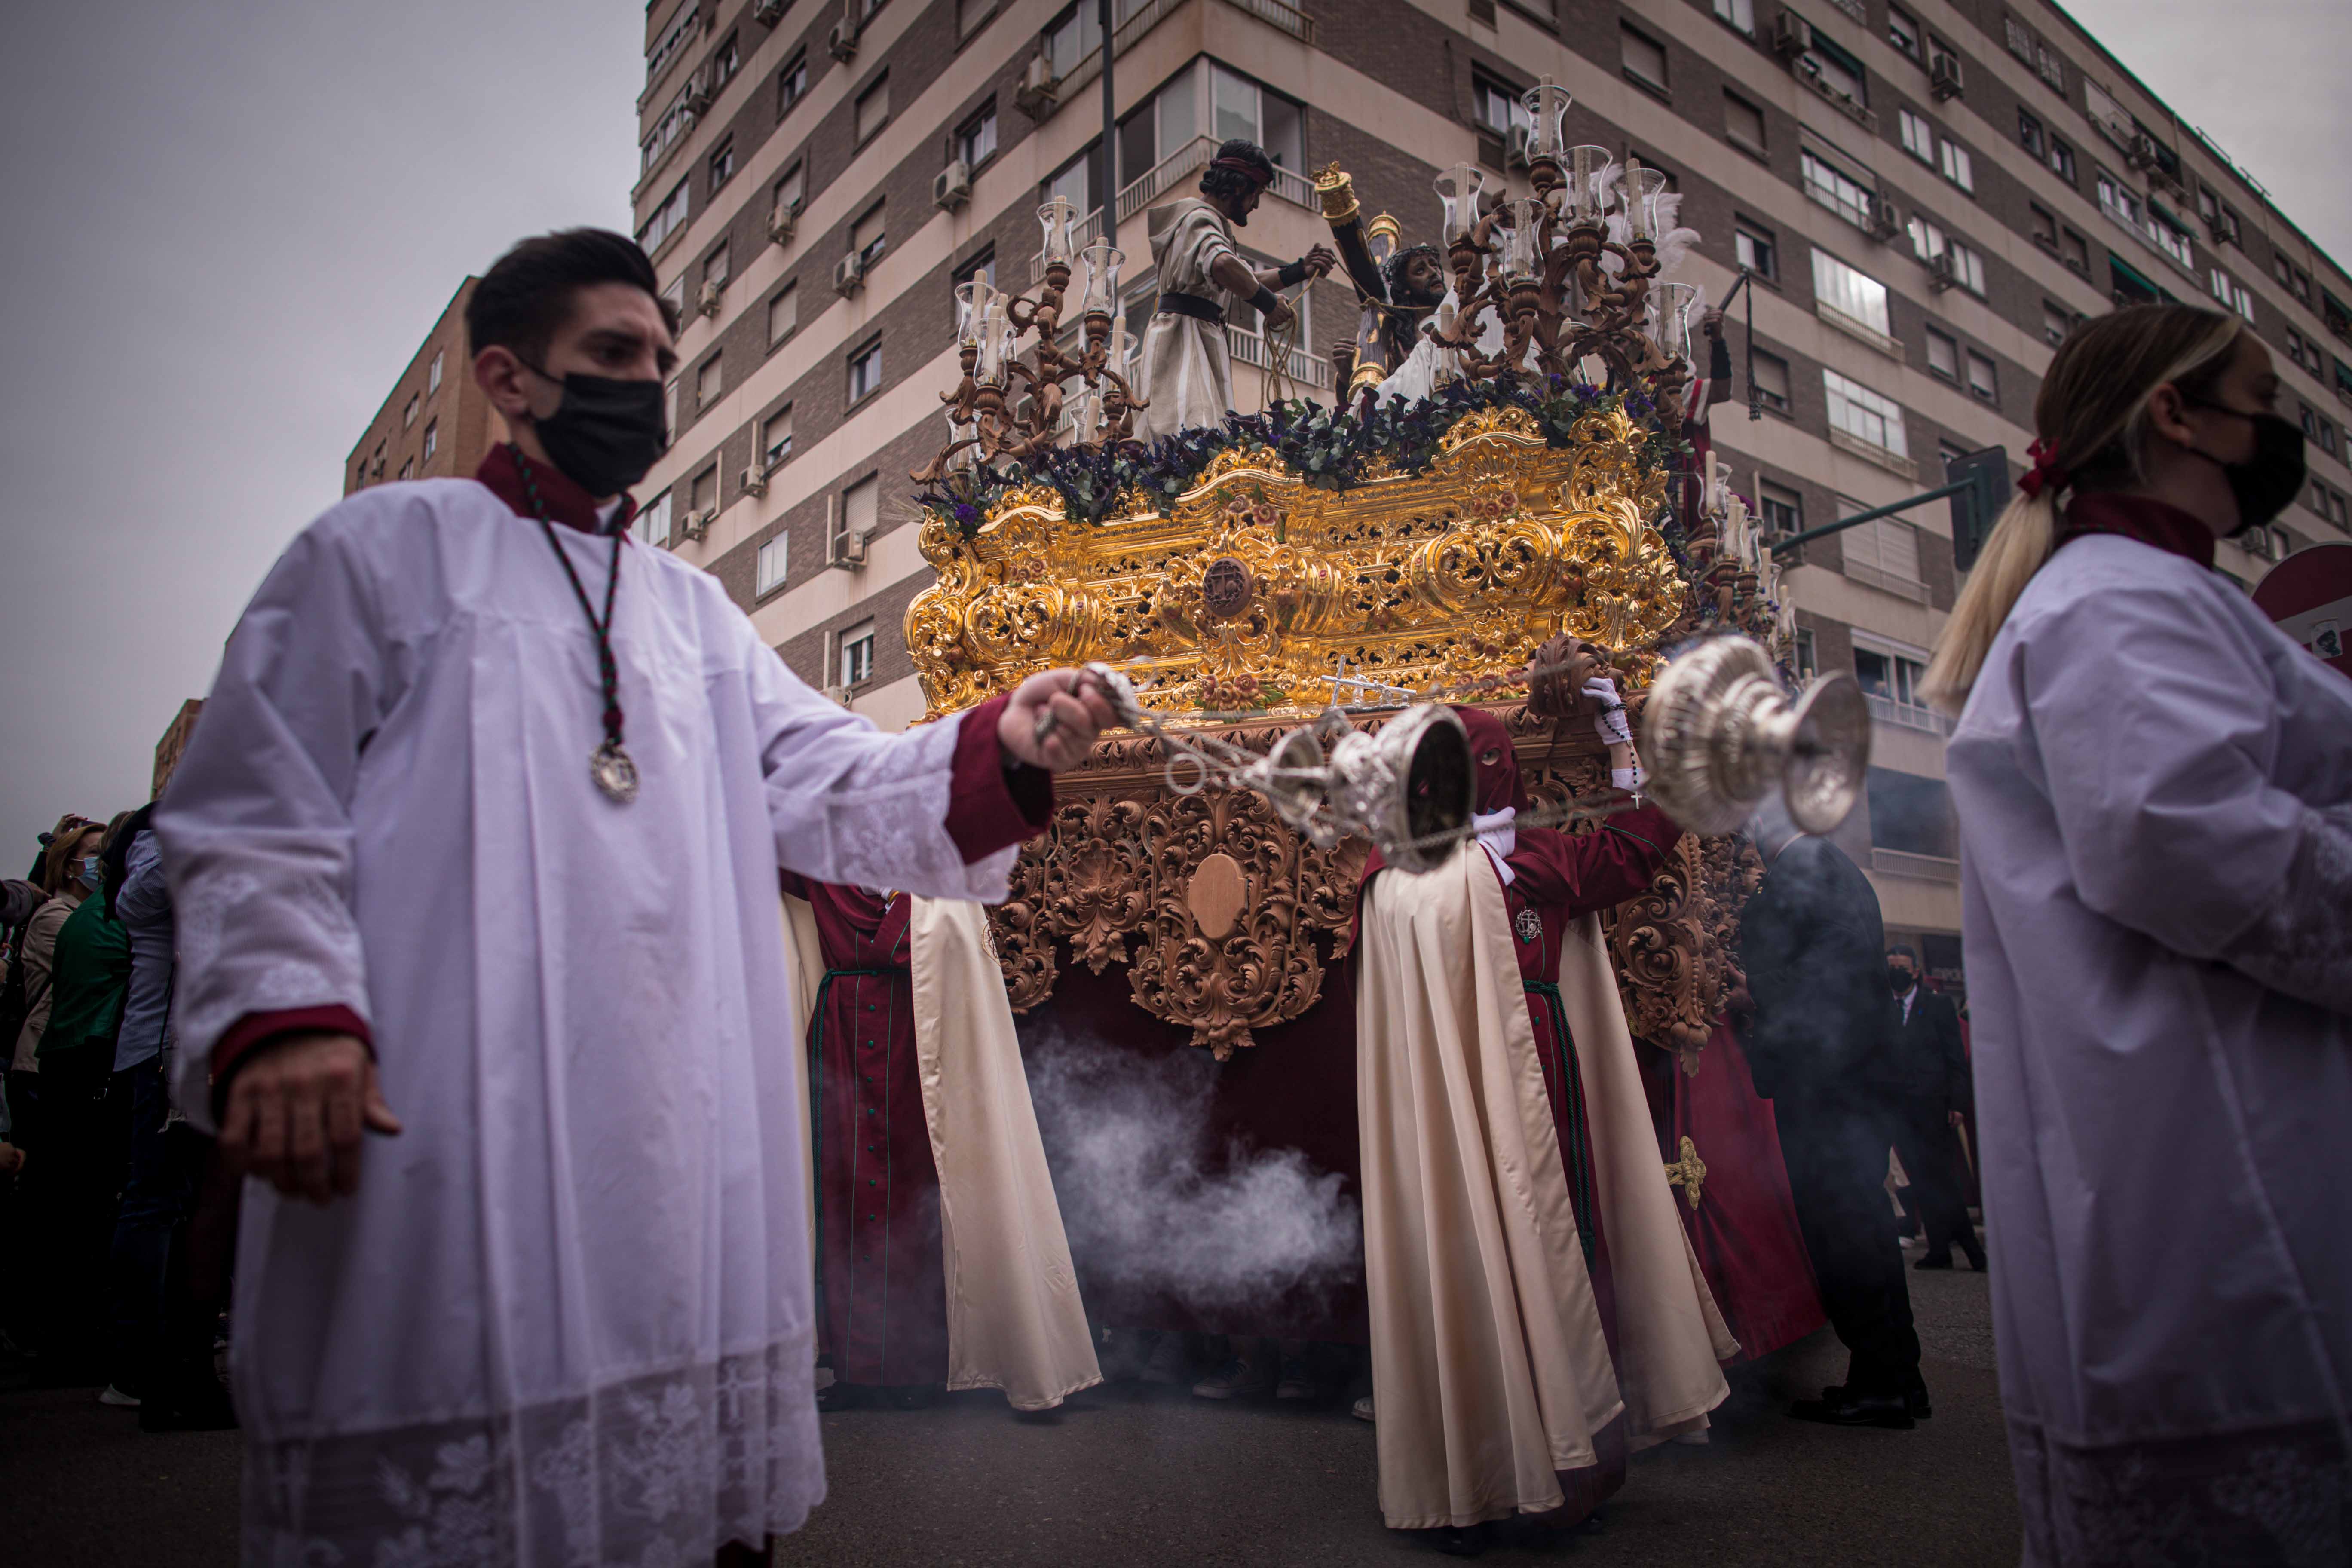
1184	370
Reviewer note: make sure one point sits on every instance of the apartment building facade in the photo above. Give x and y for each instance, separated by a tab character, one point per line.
434	422
1928	194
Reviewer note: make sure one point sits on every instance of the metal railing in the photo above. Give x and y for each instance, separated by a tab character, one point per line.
1909	715
1155	182
1250	348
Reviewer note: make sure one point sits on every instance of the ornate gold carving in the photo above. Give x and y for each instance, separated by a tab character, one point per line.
1256	587
1687	1173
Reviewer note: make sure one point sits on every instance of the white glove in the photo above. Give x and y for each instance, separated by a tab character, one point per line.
1609	724
1628	779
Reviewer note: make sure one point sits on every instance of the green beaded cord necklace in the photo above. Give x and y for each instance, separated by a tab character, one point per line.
610	766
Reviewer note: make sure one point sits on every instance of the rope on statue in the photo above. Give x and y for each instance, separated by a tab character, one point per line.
1280	343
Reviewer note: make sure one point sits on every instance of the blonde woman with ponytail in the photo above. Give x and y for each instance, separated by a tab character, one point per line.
2154	787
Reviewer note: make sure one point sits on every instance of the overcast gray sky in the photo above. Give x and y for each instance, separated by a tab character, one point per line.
225	226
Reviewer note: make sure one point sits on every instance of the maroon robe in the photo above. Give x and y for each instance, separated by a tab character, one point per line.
882	1309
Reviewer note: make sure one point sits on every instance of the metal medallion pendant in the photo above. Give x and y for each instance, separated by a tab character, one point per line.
614	772
1530	925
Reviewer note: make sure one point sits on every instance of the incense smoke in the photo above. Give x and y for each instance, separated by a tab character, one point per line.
1147	1206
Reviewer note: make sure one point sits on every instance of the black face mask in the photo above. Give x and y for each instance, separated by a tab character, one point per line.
2267	484
606	432
1901	979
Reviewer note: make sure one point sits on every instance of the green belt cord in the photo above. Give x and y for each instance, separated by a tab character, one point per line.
1580	1162
817	1124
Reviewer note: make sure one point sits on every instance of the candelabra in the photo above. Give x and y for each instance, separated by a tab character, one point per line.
989	418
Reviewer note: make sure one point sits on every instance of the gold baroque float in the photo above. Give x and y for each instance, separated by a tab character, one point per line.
1257	588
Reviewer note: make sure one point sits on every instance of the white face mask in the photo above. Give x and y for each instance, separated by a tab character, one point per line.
92	870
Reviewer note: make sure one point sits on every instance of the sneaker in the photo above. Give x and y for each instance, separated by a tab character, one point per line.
1167	1362
1237	1379
1294	1383
115	1396
1362	1409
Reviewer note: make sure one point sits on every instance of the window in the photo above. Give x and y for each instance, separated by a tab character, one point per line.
783	313
2118	201
2171	238
2343	379
1956	165
1858	412
791	191
2128	285
2029	137
379	459
2233	295
1740	13
1754	246
1074	182
1912	815
714	267
652	525
868	237
776	437
674	37
673	124
1808	666
2294	344
433	375
703	494
1772	381
1984	380
667	220
1883	553
1943	354
2074	251
1159	128
971	15
408	415
2056	321
1903	31
407	467
725	64
873	106
2310	422
1928	241
2019	38
2044	224
1891	678
722	163
2061	159
709	381
976	140
1645	57
1783	509
1239	107
432	439
1834	189
1500	108
1073	35
669	405
775	564
866	372
1743	122
1855	295
791	83
674	295
856	660
1917	139
1835	70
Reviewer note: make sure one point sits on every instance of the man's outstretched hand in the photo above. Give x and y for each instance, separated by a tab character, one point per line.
1080	714
298	1111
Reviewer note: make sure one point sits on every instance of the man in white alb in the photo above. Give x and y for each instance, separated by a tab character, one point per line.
477	847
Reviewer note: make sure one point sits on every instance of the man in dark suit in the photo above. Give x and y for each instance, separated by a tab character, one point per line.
1820	1035
1931	1074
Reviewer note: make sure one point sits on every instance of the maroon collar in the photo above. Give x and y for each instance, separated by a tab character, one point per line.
567	503
2156	522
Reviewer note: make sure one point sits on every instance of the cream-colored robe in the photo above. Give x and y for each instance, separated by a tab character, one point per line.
1015	1319
1185	368
1489	1361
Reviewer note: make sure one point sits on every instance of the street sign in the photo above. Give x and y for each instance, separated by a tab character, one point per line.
1978	508
2309	594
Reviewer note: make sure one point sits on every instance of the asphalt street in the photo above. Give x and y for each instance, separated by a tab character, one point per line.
1131	1476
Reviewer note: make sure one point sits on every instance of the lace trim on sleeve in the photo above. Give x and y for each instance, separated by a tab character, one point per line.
2301	945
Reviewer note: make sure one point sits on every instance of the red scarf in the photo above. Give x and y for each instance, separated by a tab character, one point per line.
2152	523
567	503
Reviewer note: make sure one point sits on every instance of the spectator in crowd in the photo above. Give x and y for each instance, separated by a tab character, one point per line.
83	1133
1931	1081
66	872
163	1329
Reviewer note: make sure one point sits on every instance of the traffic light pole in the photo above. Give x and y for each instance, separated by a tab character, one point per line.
1781	547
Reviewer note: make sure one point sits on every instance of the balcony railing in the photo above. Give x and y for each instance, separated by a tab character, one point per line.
1909	715
1155	182
1903	863
1250	348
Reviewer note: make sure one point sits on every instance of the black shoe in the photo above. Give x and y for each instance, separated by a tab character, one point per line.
1934	1260
838	1396
1840	1407
1976	1258
1916	1402
1456	1541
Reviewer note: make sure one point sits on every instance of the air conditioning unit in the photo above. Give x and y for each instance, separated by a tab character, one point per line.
1040	90
849	274
844	547
842	42
1886	223
1941	272
1792	35
708	301
2140	151
698	91
1944	78
768	13
839	694
781	221
695	525
1514	146
952	186
755	480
